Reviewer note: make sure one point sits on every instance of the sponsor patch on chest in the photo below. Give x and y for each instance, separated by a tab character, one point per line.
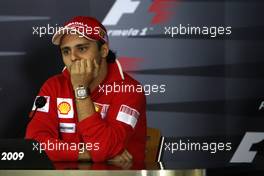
67	127
65	108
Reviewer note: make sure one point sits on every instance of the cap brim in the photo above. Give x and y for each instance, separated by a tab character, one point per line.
56	39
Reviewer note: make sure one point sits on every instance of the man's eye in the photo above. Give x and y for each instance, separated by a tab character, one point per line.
82	49
65	52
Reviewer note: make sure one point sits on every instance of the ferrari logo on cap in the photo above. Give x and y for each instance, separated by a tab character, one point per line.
101	33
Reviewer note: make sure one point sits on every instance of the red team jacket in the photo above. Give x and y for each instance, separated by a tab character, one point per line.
119	122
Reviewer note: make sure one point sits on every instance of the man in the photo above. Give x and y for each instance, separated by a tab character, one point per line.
78	110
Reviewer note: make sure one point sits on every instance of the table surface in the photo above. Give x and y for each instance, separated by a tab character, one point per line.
38	164
191	172
129	169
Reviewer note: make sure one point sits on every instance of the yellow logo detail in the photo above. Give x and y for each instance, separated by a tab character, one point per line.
97	108
64	108
101	33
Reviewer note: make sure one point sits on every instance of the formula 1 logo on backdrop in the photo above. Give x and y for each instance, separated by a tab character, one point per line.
120	8
162	10
251	145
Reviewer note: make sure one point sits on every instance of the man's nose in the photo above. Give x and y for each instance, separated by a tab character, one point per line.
74	56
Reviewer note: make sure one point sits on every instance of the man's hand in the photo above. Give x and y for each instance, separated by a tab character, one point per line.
124	157
122	165
85	156
83	72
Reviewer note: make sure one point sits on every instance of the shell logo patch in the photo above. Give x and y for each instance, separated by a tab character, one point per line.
65	108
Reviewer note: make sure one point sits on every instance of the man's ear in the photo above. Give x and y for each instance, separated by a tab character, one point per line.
104	50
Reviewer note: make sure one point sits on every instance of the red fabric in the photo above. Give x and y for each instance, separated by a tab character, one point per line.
103	127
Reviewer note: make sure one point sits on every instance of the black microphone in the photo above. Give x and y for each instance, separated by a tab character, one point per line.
39	103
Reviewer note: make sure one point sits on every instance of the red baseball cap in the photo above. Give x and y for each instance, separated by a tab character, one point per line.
85	26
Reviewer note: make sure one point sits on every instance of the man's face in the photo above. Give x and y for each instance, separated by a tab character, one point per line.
75	47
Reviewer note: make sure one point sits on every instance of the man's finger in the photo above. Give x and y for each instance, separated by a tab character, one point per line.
116	159
77	66
96	65
82	66
128	155
89	66
125	156
74	67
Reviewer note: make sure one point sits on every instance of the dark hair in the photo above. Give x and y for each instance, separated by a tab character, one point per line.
111	57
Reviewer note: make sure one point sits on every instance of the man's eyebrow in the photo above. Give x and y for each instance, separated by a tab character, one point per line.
78	45
83	44
64	47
